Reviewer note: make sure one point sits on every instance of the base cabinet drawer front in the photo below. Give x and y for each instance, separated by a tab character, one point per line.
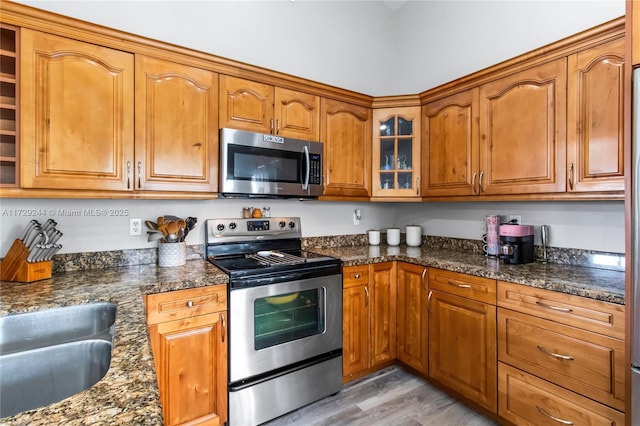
182	304
588	314
355	276
587	363
527	400
469	286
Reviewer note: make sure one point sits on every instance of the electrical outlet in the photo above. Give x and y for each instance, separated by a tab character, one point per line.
357	215
135	226
516	217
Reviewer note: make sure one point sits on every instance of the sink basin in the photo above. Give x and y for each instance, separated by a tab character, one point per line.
38	377
48	327
49	355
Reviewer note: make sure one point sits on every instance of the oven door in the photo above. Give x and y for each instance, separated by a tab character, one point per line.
268	165
276	325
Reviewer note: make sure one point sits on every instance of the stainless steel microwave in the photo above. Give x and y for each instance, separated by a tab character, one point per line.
263	165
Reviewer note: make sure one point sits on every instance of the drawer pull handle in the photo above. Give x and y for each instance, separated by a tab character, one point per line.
457	284
553	354
224	327
555	308
544	413
190	304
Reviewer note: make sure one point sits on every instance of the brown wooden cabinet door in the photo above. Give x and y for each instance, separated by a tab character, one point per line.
355	331
246	105
191	361
413	332
523	131
346	133
297	114
450	141
382	311
76	114
595	118
176	127
462	347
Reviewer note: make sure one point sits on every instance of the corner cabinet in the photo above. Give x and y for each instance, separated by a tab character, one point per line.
396	153
263	108
413	319
369	318
346	134
176	147
77	128
188	332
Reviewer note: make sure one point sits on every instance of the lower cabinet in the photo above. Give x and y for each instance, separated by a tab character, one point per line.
462	335
369	318
187	329
413	334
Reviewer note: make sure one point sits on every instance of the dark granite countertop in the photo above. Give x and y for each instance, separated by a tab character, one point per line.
128	394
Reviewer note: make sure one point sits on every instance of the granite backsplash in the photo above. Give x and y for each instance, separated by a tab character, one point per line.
149	256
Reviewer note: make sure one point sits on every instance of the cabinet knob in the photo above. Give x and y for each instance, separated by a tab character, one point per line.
356	276
190	304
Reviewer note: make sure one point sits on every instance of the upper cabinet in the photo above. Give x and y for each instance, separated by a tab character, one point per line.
396	153
346	133
8	105
523	132
176	144
595	118
633	37
76	114
258	107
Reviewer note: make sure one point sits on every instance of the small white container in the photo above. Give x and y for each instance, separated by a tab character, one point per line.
374	237
393	236
414	235
172	254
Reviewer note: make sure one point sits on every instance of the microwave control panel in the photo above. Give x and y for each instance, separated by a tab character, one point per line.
315	169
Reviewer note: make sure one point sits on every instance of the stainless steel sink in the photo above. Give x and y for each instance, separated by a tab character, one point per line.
39	377
31	330
48	355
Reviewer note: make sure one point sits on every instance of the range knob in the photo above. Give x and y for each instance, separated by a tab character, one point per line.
233	226
220	227
292	224
282	224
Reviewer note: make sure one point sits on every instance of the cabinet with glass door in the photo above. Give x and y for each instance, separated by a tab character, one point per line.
396	153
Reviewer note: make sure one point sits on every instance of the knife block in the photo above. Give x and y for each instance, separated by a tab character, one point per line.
14	266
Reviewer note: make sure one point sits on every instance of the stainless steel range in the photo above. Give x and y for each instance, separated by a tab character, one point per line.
285	317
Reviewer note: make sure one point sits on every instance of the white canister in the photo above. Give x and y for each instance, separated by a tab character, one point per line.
374	237
172	254
414	235
393	236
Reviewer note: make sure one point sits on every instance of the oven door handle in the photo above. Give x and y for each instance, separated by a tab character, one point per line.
307	172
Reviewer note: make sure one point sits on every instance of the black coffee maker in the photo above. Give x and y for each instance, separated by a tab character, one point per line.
516	243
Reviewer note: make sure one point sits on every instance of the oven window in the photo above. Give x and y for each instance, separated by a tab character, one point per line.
287	317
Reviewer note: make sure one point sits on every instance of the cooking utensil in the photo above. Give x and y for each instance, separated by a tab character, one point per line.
151	225
28	229
35	252
29	241
155	236
50	223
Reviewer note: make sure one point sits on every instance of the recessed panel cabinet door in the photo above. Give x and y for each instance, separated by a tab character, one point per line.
523	131
595	130
297	114
355	330
413	333
382	310
246	105
346	134
176	127
77	114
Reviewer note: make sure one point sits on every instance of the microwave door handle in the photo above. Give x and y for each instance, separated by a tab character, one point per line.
305	185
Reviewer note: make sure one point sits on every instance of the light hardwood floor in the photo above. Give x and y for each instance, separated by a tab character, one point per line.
388	397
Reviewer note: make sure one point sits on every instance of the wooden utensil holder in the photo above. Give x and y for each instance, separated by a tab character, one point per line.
14	267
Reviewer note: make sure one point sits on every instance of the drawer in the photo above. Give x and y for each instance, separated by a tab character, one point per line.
355	275
181	304
588	363
588	314
469	286
524	399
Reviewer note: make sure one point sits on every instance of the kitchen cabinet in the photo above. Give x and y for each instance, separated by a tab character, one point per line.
9	91
573	343
462	335
633	12
523	131
346	134
450	139
595	118
396	153
76	125
176	138
369	318
188	332
413	332
259	107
